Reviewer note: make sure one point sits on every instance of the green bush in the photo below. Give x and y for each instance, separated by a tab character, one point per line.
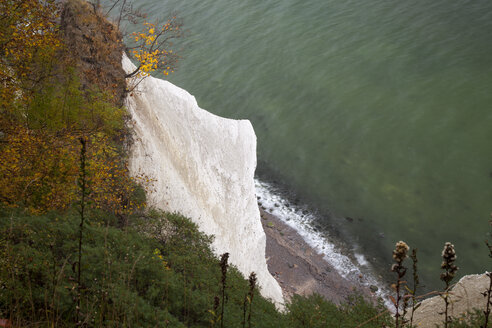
158	271
314	311
119	274
128	278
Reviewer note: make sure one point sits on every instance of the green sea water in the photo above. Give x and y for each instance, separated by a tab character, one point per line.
376	110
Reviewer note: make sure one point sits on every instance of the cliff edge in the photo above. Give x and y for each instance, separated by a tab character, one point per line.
203	167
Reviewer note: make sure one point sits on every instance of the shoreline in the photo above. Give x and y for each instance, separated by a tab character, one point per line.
300	269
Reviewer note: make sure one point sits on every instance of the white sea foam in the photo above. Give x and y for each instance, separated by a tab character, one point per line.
361	259
302	221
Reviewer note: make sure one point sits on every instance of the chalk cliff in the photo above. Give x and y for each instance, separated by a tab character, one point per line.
203	166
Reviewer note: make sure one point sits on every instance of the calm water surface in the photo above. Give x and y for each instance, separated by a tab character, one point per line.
376	110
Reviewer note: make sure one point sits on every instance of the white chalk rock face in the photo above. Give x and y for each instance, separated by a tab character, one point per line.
203	166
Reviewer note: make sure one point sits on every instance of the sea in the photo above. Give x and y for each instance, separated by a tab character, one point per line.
373	119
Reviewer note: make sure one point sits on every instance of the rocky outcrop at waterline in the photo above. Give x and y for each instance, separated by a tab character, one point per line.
466	296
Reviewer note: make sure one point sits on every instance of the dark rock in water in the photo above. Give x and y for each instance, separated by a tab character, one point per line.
260	203
263	207
277	205
290	265
373	288
349	219
305	212
287	204
258	197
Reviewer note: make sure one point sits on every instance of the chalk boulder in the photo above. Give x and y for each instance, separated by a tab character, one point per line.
466	296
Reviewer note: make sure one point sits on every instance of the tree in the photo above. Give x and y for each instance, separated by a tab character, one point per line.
152	48
49	101
38	169
28	33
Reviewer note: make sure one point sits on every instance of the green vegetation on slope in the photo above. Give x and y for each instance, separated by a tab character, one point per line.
157	271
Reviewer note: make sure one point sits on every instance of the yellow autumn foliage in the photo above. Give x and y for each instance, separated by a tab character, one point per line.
28	32
39	170
45	110
153	45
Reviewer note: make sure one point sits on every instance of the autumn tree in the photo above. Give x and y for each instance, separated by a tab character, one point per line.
152	48
28	35
78	97
38	169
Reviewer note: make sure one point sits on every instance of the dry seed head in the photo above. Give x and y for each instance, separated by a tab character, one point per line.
400	252
449	256
252	280
448	253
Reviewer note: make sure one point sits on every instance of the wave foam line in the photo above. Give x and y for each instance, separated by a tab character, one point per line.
302	222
